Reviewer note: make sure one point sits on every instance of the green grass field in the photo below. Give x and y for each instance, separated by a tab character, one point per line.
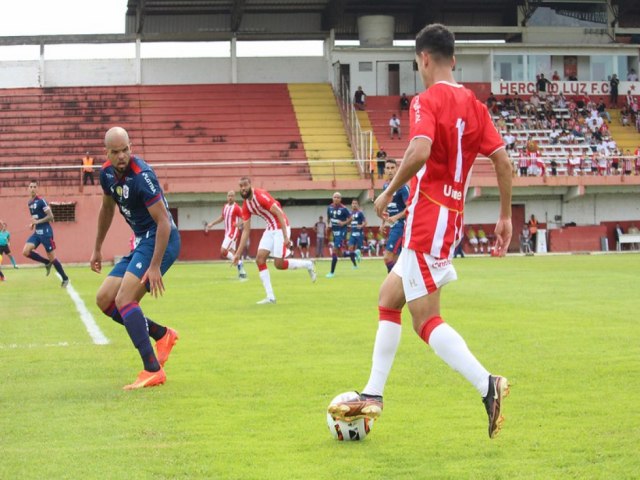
248	385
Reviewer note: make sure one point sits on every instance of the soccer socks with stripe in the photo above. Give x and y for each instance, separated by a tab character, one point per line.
451	347
156	331
58	266
265	278
295	264
384	350
136	326
34	256
334	261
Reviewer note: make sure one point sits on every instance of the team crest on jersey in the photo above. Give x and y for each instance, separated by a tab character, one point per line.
119	191
125	191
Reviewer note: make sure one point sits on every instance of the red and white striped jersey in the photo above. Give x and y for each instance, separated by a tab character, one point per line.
231	213
260	204
459	127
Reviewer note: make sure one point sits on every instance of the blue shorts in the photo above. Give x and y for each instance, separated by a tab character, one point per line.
338	239
138	261
355	241
46	241
394	242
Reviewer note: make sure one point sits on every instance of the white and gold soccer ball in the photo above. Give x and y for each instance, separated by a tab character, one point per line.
348	431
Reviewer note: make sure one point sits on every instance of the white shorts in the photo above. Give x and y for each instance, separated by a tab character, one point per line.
422	274
473	241
229	244
273	241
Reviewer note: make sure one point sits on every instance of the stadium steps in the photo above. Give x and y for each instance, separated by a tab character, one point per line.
627	138
322	131
379	111
225	123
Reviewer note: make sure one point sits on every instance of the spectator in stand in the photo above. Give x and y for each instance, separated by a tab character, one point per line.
404	102
628	99
637	160
542	83
554	136
573	164
517	123
492	103
555	77
518	104
525	240
509	140
533	230
615	162
602	164
394	127
572	78
507	104
613	91
87	169
632	76
523	162
359	99
627	161
625	116
562	101
381	158
602	110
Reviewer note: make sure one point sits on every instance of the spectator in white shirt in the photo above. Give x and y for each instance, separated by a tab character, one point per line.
394	127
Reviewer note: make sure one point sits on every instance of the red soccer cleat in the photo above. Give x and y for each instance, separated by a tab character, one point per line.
147	379
165	344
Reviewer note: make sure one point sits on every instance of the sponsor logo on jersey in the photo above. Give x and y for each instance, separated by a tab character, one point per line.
149	182
441	263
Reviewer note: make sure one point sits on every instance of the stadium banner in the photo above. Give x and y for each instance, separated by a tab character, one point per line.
566	88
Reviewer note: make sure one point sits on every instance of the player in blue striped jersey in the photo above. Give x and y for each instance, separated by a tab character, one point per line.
128	182
395	216
41	218
338	217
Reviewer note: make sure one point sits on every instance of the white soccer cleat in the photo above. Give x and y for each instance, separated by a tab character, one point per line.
312	272
266	301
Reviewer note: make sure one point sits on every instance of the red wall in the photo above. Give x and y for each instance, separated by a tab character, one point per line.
576	239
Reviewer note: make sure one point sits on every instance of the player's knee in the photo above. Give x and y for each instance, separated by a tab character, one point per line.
27	251
279	263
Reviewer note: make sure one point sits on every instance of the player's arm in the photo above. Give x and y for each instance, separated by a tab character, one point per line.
277	211
47	218
105	217
243	241
503	230
160	215
213	222
415	157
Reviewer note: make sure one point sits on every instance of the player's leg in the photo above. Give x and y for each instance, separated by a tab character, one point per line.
336	251
369	404
280	252
430	275
28	250
127	301
265	277
50	247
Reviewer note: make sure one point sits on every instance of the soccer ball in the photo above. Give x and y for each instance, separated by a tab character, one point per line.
348	431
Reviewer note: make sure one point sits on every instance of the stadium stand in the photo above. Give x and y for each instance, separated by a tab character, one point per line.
245	127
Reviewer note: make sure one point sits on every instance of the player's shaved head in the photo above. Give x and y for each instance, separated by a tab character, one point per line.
116	135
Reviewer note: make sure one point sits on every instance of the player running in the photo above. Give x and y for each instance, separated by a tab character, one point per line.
41	218
339	217
394	217
358	222
275	241
232	217
128	182
449	127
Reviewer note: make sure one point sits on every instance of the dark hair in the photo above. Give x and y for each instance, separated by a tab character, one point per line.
391	160
437	40
242	179
33	181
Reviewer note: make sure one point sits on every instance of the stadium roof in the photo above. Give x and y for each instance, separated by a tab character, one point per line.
314	19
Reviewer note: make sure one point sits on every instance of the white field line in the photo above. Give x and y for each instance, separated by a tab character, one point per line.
85	315
10	346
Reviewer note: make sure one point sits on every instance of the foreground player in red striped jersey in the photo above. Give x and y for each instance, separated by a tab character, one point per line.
276	239
449	127
231	216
